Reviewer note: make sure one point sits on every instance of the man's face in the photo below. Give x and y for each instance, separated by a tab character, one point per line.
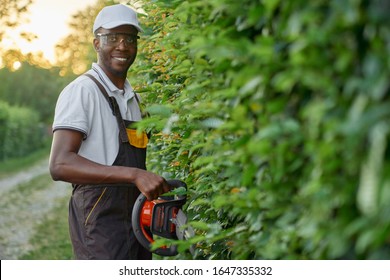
117	49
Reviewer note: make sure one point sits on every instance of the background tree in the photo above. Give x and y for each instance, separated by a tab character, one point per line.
33	87
27	91
12	14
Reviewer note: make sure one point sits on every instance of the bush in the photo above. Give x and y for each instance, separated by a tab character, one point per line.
20	131
276	115
33	87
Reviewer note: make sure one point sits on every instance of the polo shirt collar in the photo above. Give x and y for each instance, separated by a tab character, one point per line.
127	91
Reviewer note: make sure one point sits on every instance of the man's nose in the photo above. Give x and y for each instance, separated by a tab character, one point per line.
124	45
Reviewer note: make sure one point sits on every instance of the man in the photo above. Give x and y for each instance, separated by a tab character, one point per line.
107	173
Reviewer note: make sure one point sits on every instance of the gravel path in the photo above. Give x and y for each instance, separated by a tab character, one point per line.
19	215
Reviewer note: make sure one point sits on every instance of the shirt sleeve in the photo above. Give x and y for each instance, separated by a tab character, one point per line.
73	108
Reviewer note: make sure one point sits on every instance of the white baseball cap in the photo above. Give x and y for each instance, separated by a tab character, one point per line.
114	16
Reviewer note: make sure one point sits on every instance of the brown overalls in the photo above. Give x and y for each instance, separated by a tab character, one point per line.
100	215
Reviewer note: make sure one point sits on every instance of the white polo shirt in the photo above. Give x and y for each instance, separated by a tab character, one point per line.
82	107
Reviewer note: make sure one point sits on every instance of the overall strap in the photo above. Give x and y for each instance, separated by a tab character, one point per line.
114	107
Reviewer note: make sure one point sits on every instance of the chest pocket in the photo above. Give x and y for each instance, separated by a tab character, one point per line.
137	139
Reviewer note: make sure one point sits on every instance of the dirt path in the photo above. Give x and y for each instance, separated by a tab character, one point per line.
19	215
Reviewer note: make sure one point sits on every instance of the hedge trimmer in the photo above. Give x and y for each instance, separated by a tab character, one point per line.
162	217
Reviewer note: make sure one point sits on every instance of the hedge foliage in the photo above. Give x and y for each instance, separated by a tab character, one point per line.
276	114
20	131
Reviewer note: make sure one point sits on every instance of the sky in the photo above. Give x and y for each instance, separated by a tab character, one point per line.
48	19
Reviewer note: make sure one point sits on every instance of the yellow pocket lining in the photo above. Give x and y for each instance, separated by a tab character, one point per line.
137	140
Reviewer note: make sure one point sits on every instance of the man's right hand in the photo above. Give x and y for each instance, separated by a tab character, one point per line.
150	185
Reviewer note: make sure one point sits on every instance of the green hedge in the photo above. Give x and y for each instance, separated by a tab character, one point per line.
276	114
20	131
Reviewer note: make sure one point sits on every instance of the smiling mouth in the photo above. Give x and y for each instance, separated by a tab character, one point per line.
122	59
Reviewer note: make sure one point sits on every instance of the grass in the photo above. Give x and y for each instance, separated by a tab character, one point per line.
14	165
51	241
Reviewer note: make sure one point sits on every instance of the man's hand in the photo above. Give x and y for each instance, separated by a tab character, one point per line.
150	184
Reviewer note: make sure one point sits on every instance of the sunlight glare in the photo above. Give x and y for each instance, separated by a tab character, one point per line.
16	65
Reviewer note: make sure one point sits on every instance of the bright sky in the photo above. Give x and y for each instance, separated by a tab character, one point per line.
48	19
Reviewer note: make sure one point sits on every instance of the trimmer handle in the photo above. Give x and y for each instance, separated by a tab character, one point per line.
155	217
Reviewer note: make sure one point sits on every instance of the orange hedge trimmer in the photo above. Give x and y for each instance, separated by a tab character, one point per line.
161	217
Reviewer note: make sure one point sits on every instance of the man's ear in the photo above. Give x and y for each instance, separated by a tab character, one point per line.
96	44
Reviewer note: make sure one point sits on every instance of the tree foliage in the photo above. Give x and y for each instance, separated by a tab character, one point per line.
11	13
27	102
32	87
276	115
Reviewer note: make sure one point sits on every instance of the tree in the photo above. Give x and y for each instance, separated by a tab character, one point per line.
32	87
12	14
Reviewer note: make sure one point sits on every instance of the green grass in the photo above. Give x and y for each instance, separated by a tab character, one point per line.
51	241
11	166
